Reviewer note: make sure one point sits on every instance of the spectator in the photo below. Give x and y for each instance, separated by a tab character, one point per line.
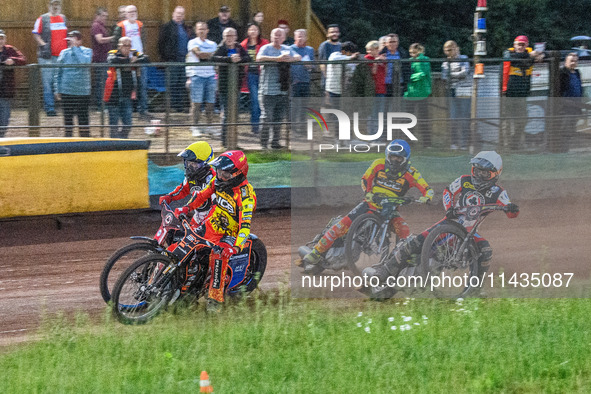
50	32
101	45
571	91
172	47
228	52
283	24
378	70
395	80
133	28
121	86
378	73
382	41
334	77
455	72
331	45
121	16
9	56
202	78
274	86
218	25
419	88
517	77
300	75
73	84
253	44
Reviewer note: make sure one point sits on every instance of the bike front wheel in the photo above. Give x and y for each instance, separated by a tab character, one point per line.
119	261
442	257
362	244
143	290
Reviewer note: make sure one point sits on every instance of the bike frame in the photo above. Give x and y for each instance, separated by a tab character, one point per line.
472	211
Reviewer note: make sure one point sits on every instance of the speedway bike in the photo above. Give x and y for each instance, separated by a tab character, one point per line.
449	250
366	243
128	254
156	281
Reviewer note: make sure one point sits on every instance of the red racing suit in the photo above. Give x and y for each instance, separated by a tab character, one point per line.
378	179
192	186
228	225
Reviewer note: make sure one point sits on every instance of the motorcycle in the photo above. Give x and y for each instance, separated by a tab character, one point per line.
156	281
367	241
449	250
128	254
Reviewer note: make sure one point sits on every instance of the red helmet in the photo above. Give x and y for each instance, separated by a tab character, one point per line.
231	168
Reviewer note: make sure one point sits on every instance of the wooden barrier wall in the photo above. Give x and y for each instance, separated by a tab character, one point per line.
18	18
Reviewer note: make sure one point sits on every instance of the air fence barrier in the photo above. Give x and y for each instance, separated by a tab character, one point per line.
170	126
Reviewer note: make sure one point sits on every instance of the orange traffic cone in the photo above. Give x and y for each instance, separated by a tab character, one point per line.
204	385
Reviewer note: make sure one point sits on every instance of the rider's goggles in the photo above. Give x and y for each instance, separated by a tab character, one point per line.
396	159
194	165
483	173
224	175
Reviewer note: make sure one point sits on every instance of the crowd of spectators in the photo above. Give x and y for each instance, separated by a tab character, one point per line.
204	88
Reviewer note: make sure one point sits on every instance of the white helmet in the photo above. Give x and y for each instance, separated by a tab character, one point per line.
487	167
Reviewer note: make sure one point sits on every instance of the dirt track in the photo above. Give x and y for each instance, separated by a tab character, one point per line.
53	265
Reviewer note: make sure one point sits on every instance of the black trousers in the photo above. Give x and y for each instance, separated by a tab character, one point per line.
76	106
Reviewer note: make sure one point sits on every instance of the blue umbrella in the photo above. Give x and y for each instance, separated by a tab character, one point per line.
579	38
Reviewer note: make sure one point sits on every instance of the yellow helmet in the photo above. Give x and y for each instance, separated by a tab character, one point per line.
197	157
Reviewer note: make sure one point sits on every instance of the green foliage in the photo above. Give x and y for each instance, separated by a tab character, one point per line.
434	22
274	343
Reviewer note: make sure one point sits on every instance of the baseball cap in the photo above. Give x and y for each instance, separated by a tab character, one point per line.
521	39
75	33
224	8
2	33
55	1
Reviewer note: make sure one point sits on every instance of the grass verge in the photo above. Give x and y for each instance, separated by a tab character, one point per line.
276	344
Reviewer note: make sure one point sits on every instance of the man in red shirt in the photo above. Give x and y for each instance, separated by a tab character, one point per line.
50	32
9	56
101	45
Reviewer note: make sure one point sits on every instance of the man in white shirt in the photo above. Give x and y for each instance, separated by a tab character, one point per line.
334	78
201	78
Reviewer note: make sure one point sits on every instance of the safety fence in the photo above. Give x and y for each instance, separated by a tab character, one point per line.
235	104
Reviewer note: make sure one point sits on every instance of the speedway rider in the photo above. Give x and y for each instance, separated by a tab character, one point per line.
198	172
476	189
392	176
228	224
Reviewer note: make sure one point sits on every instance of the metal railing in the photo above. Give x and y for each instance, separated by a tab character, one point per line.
169	120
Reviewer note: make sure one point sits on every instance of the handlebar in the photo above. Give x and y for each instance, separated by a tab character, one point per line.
479	208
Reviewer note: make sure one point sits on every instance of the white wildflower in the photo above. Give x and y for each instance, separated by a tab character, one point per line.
407	318
367	330
390	319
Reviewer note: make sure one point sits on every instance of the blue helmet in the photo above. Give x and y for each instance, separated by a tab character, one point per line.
398	157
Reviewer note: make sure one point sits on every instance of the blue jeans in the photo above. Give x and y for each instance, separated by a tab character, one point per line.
178	92
4	115
122	111
459	112
255	108
49	79
142	105
98	86
300	89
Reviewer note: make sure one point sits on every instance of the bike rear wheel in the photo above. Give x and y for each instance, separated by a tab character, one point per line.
440	257
255	271
119	261
362	247
143	290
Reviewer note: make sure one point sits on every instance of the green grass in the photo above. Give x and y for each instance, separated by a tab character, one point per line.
283	345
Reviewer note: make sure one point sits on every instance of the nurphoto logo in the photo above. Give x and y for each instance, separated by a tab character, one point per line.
394	122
